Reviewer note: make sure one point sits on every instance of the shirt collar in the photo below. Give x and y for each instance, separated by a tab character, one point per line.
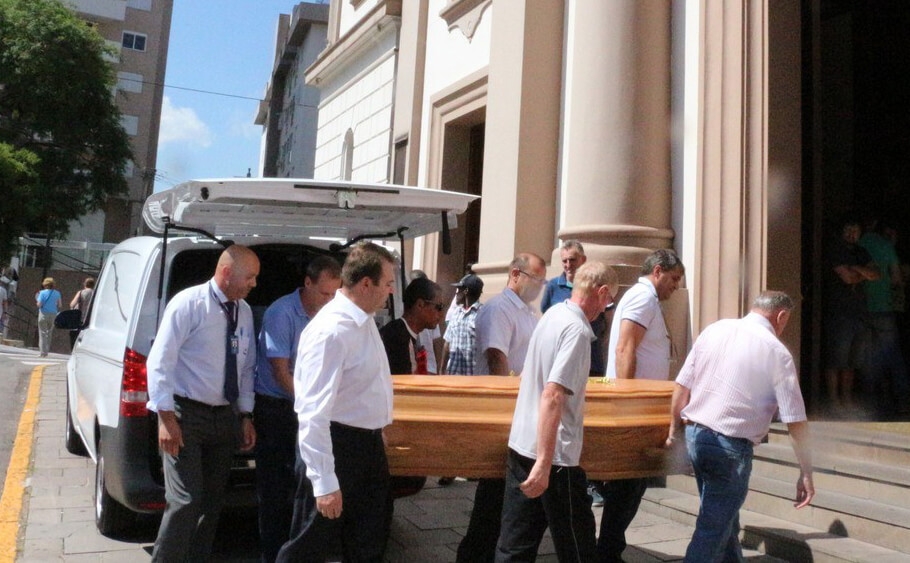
217	291
515	299
407	326
760	321
649	284
359	316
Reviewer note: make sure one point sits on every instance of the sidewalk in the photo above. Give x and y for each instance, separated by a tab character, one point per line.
57	520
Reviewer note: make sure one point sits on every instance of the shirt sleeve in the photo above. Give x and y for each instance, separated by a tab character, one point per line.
317	375
572	351
278	331
638	309
546	300
496	332
786	390
162	360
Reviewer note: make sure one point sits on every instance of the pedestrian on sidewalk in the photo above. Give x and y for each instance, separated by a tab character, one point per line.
736	377
49	302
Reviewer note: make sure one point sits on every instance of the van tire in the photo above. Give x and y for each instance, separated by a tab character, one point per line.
73	441
111	517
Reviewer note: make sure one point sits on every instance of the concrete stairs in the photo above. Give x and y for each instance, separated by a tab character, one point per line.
861	511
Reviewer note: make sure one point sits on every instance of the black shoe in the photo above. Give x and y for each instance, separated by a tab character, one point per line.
445	481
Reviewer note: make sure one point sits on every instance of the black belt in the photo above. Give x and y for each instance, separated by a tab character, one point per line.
356	429
200	404
260	397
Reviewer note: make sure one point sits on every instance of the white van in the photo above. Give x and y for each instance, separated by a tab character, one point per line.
286	222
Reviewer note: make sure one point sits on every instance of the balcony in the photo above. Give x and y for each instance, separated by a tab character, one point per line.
114	10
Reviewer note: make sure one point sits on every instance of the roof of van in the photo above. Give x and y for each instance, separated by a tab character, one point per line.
279	207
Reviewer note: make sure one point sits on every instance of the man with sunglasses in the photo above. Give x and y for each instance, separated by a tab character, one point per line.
503	330
423	309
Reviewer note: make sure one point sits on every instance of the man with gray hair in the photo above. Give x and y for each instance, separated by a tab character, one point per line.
639	348
736	377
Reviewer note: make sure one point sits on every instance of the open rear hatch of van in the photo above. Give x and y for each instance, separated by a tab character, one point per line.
298	208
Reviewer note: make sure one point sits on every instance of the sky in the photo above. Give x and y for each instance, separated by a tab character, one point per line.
225	48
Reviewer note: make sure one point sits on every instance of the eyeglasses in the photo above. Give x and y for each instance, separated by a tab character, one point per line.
438	306
532	277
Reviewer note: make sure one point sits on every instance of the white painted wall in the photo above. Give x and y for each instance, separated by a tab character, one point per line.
450	57
359	98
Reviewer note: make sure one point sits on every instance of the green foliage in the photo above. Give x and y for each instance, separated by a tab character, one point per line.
56	103
18	184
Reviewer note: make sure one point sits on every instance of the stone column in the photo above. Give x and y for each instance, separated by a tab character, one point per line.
522	132
615	177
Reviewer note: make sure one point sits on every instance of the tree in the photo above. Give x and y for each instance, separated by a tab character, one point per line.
56	104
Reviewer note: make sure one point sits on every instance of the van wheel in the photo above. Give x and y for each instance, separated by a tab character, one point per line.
111	517
73	441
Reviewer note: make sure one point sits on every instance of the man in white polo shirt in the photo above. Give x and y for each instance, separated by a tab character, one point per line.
639	348
736	377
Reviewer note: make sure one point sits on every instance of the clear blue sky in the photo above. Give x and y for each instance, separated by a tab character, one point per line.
225	47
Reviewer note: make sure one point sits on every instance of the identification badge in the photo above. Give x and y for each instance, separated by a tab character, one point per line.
235	344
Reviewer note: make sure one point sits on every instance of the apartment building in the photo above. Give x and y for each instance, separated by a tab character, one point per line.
289	110
139	30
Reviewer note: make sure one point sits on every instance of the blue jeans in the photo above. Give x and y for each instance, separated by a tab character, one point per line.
886	365
722	469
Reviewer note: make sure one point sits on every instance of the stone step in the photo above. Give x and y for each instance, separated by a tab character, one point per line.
779	538
883	443
888	484
882	524
11	342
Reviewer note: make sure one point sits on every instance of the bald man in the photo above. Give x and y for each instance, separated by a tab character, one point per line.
200	382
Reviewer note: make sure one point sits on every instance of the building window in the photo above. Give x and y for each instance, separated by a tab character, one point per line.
134	41
130	124
129	82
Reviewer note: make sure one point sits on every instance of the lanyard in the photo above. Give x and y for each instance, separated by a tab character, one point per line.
228	313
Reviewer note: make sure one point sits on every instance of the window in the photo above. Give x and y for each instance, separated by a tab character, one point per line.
130	124
134	41
129	82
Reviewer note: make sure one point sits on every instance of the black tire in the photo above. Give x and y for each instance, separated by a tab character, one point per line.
74	443
111	517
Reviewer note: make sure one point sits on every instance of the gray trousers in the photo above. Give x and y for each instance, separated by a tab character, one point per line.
45	332
195	481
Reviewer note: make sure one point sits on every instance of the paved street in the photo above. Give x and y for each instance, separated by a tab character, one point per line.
58	523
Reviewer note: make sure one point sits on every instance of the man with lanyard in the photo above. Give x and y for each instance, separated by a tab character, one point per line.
639	348
343	399
274	416
200	382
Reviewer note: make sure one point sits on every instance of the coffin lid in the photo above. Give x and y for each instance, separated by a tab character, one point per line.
280	207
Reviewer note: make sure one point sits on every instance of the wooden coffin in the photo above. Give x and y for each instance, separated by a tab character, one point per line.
457	425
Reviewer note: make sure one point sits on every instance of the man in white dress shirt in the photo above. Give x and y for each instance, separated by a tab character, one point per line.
343	399
639	348
736	377
503	329
205	329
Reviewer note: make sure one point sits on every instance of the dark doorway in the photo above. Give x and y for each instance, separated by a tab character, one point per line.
856	63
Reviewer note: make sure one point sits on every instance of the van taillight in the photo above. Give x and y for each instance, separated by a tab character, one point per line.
134	392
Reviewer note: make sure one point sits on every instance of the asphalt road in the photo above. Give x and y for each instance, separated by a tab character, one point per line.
14	380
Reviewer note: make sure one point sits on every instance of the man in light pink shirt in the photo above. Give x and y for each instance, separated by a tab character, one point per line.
736	377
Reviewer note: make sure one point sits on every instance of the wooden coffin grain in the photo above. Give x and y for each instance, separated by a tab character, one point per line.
456	425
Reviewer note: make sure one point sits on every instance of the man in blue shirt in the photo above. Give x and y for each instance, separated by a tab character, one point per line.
274	416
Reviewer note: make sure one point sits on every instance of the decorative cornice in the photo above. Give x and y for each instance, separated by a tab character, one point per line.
464	14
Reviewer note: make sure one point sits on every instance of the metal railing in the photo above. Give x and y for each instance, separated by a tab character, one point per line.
65	255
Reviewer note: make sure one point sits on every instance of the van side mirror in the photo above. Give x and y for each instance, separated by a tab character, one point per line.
69	320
